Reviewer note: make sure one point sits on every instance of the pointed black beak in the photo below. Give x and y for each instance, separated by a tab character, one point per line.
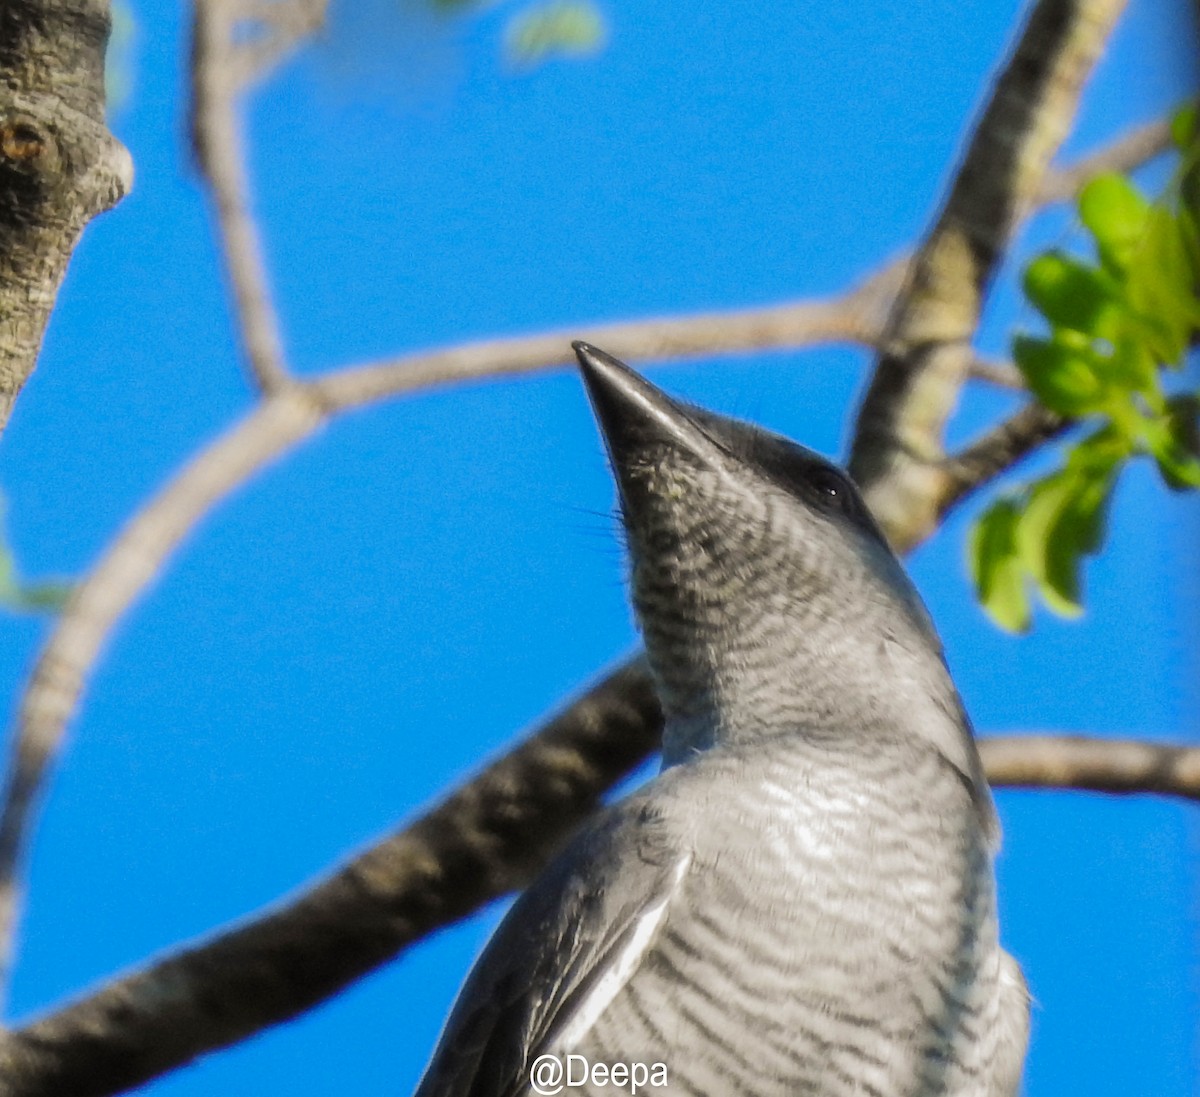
633	414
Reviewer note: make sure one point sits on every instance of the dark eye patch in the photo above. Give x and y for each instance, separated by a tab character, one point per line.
819	483
797	470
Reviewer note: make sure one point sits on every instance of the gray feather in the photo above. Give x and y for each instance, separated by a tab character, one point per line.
552	950
802	902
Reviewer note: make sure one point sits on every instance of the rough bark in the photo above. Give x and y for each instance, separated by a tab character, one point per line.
59	165
898	447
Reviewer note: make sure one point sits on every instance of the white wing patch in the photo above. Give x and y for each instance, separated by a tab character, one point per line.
626	962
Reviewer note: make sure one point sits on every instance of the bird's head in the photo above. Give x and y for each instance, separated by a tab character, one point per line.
769	599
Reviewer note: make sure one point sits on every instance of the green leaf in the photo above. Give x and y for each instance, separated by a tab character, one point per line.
1063	522
8	572
1089	512
1174	441
561	27
1073	295
1115	214
1160	286
49	597
19	597
1078	532
1184	130
1132	366
1189	231
1061	373
1100	453
1051	564
996	568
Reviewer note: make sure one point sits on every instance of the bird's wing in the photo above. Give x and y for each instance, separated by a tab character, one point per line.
563	952
1013	1030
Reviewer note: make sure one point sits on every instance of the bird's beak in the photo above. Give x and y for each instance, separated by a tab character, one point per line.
635	416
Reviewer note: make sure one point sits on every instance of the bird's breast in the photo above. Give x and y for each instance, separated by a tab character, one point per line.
837	919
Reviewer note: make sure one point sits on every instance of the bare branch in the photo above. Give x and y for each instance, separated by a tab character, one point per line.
897	451
1001	374
59	165
271	32
489	837
217	136
847	318
1134	149
1097	765
997	451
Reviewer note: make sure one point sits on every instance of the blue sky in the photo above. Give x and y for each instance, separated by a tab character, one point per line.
360	626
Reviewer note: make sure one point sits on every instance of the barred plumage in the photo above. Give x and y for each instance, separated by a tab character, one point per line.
802	903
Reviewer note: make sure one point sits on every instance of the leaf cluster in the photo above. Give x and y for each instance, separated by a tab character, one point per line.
559	28
1121	327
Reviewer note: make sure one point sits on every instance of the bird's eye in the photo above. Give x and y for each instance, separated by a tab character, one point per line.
830	484
832	490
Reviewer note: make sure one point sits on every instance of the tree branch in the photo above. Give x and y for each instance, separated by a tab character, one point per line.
217	77
897	451
997	451
851	317
487	838
281	26
1134	149
1095	765
59	165
484	840
1003	375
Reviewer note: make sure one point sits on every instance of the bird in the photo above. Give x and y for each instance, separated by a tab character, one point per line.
802	901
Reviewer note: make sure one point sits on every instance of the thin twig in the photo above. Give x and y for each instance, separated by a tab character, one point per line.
1137	147
998	451
281	26
898	444
842	319
1003	375
217	135
1096	765
855	316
